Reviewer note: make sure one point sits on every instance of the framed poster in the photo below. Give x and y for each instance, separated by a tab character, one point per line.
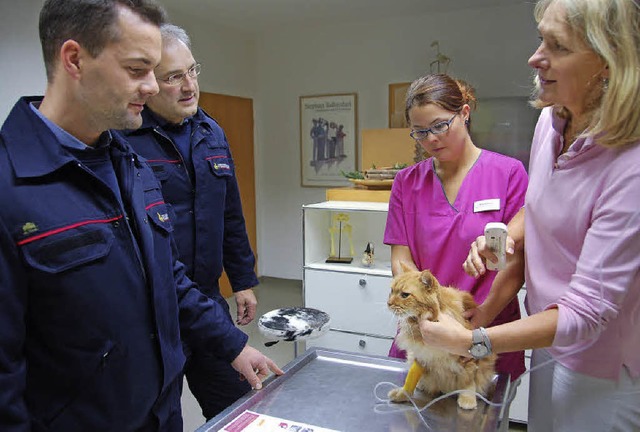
328	138
397	96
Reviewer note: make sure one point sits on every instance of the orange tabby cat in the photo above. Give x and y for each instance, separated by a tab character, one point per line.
418	295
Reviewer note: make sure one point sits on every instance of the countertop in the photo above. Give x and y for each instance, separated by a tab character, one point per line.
335	390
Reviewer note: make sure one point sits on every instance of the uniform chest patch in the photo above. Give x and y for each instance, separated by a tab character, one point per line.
221	166
29	228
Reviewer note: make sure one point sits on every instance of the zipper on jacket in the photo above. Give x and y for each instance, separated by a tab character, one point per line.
105	356
127	185
175	148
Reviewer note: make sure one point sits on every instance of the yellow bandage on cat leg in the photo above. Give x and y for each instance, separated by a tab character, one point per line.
411	381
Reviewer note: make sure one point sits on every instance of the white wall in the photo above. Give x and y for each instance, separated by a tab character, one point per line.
489	48
228	56
21	67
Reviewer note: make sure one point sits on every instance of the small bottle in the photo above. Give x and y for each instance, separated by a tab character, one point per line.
368	255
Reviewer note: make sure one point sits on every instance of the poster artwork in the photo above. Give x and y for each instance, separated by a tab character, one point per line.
328	138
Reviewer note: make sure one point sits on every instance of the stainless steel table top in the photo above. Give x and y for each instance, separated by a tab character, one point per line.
335	390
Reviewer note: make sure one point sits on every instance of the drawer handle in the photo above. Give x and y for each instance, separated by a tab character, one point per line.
362	343
362	282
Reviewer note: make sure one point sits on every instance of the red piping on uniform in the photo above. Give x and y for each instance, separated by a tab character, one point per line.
66	228
164	160
157	203
215	157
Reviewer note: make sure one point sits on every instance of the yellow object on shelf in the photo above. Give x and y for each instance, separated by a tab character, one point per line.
415	372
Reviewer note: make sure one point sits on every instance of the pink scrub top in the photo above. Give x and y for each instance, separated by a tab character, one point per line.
439	234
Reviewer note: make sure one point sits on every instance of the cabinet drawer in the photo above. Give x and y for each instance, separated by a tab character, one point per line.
355	302
352	342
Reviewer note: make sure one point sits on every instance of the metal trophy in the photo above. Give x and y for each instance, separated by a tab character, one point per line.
339	225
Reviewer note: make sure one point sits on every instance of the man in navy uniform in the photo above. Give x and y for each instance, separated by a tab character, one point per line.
189	153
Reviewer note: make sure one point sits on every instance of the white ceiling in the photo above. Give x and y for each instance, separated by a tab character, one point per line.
259	15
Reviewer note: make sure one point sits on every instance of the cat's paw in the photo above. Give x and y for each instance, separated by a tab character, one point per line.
467	401
398	395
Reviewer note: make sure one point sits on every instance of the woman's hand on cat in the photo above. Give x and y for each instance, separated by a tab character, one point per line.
447	334
478	316
474	265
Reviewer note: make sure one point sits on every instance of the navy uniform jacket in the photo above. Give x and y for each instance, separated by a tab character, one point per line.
89	329
210	228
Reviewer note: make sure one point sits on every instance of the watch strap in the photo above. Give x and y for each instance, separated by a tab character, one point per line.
476	337
485	338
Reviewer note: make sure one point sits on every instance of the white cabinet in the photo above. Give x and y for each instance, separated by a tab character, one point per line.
354	296
358	302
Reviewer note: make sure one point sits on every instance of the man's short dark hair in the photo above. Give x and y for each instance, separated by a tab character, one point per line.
91	23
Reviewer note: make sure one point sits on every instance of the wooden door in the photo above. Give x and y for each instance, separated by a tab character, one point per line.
235	115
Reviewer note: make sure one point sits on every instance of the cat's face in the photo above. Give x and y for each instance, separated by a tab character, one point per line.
415	294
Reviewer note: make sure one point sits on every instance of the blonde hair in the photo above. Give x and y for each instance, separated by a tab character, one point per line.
442	90
611	29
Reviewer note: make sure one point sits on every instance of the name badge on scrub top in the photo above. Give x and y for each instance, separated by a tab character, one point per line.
486	205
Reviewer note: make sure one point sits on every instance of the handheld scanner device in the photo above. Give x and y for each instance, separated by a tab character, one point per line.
495	234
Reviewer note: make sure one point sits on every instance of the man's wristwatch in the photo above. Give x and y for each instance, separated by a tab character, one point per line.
480	344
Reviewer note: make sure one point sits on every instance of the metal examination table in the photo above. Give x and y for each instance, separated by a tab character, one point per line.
335	390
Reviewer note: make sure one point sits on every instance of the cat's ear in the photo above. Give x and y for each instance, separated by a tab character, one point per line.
405	267
428	280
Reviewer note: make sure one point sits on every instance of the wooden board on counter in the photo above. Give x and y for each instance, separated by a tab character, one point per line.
356	194
386	147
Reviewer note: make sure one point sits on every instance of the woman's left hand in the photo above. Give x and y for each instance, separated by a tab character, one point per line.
478	316
447	334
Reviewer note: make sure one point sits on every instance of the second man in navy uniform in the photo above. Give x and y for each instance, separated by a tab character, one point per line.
189	153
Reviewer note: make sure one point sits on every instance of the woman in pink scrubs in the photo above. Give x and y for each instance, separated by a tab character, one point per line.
439	206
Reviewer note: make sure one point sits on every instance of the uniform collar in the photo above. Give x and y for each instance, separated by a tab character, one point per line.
39	152
151	121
